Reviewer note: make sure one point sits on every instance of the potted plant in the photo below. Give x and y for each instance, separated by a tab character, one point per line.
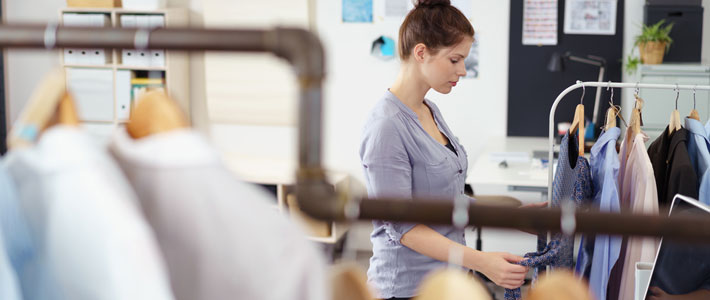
653	43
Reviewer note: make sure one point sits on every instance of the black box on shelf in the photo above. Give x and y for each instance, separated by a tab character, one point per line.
687	33
675	2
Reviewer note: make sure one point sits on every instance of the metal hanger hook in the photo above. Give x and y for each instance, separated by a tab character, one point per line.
637	90
584	90
694	88
50	35
677	94
608	87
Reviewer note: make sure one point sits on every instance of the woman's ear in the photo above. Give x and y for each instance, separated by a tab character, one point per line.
419	52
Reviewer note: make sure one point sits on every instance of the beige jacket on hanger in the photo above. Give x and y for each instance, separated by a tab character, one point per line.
637	193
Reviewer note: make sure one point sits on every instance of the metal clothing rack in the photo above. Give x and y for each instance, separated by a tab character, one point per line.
602	84
304	51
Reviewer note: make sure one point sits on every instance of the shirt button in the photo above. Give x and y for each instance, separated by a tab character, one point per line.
460	171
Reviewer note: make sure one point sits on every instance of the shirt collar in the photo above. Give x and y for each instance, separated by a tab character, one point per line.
404	108
695	127
611	135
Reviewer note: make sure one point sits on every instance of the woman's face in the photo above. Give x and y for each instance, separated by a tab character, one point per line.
442	70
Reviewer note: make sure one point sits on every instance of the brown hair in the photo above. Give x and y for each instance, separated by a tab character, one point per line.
436	24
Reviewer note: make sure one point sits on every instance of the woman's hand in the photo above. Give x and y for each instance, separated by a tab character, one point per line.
500	268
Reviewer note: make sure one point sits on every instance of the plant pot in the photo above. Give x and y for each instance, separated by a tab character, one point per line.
652	52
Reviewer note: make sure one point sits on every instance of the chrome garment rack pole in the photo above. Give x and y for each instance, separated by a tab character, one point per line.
622	85
304	52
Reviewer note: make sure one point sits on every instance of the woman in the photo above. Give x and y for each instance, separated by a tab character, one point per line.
408	151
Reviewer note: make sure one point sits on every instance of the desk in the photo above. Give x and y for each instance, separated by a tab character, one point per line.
520	175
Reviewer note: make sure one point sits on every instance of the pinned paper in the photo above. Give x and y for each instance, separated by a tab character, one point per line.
383	48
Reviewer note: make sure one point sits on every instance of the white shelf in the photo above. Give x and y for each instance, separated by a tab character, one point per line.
110	66
175	72
138	68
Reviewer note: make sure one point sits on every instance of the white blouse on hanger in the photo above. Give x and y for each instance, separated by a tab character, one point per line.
220	236
82	213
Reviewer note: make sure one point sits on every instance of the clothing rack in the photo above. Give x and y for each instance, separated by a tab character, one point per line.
583	85
304	52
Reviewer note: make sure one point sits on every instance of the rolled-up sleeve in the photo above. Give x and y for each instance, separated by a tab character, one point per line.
387	168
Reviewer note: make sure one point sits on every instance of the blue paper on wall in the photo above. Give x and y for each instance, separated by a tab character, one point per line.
357	11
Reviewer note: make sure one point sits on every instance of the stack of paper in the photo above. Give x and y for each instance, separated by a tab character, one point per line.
96	56
143	58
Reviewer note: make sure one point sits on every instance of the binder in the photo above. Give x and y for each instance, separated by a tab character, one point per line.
123	95
143	56
157	57
128	56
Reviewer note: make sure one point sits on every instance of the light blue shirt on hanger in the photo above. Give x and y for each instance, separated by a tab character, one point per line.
699	151
605	173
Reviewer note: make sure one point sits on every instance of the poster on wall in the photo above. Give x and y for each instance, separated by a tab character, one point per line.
472	59
540	22
596	17
357	11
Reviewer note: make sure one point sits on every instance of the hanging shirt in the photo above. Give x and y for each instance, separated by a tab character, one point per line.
9	286
222	238
86	221
605	172
21	245
638	195
672	169
572	182
401	160
699	151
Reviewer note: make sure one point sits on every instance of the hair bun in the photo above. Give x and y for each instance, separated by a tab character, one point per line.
432	3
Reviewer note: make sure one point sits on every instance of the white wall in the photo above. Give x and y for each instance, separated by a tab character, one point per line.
475	110
25	68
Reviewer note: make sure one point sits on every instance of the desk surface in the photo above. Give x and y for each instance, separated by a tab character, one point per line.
521	172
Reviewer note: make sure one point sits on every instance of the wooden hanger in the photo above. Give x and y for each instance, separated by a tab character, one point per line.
674	123
349	282
155	113
559	285
578	125
610	121
49	104
610	118
694	113
451	284
636	120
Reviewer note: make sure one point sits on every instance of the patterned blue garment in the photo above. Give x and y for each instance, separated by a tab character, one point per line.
573	182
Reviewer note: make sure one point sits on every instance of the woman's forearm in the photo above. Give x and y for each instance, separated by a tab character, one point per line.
427	241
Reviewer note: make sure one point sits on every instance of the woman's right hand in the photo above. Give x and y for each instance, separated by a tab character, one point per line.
501	268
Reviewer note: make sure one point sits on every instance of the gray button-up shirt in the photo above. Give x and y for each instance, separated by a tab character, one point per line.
402	160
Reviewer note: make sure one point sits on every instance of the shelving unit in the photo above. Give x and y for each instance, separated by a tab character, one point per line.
174	72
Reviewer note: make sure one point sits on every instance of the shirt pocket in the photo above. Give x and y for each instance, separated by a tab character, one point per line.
440	175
